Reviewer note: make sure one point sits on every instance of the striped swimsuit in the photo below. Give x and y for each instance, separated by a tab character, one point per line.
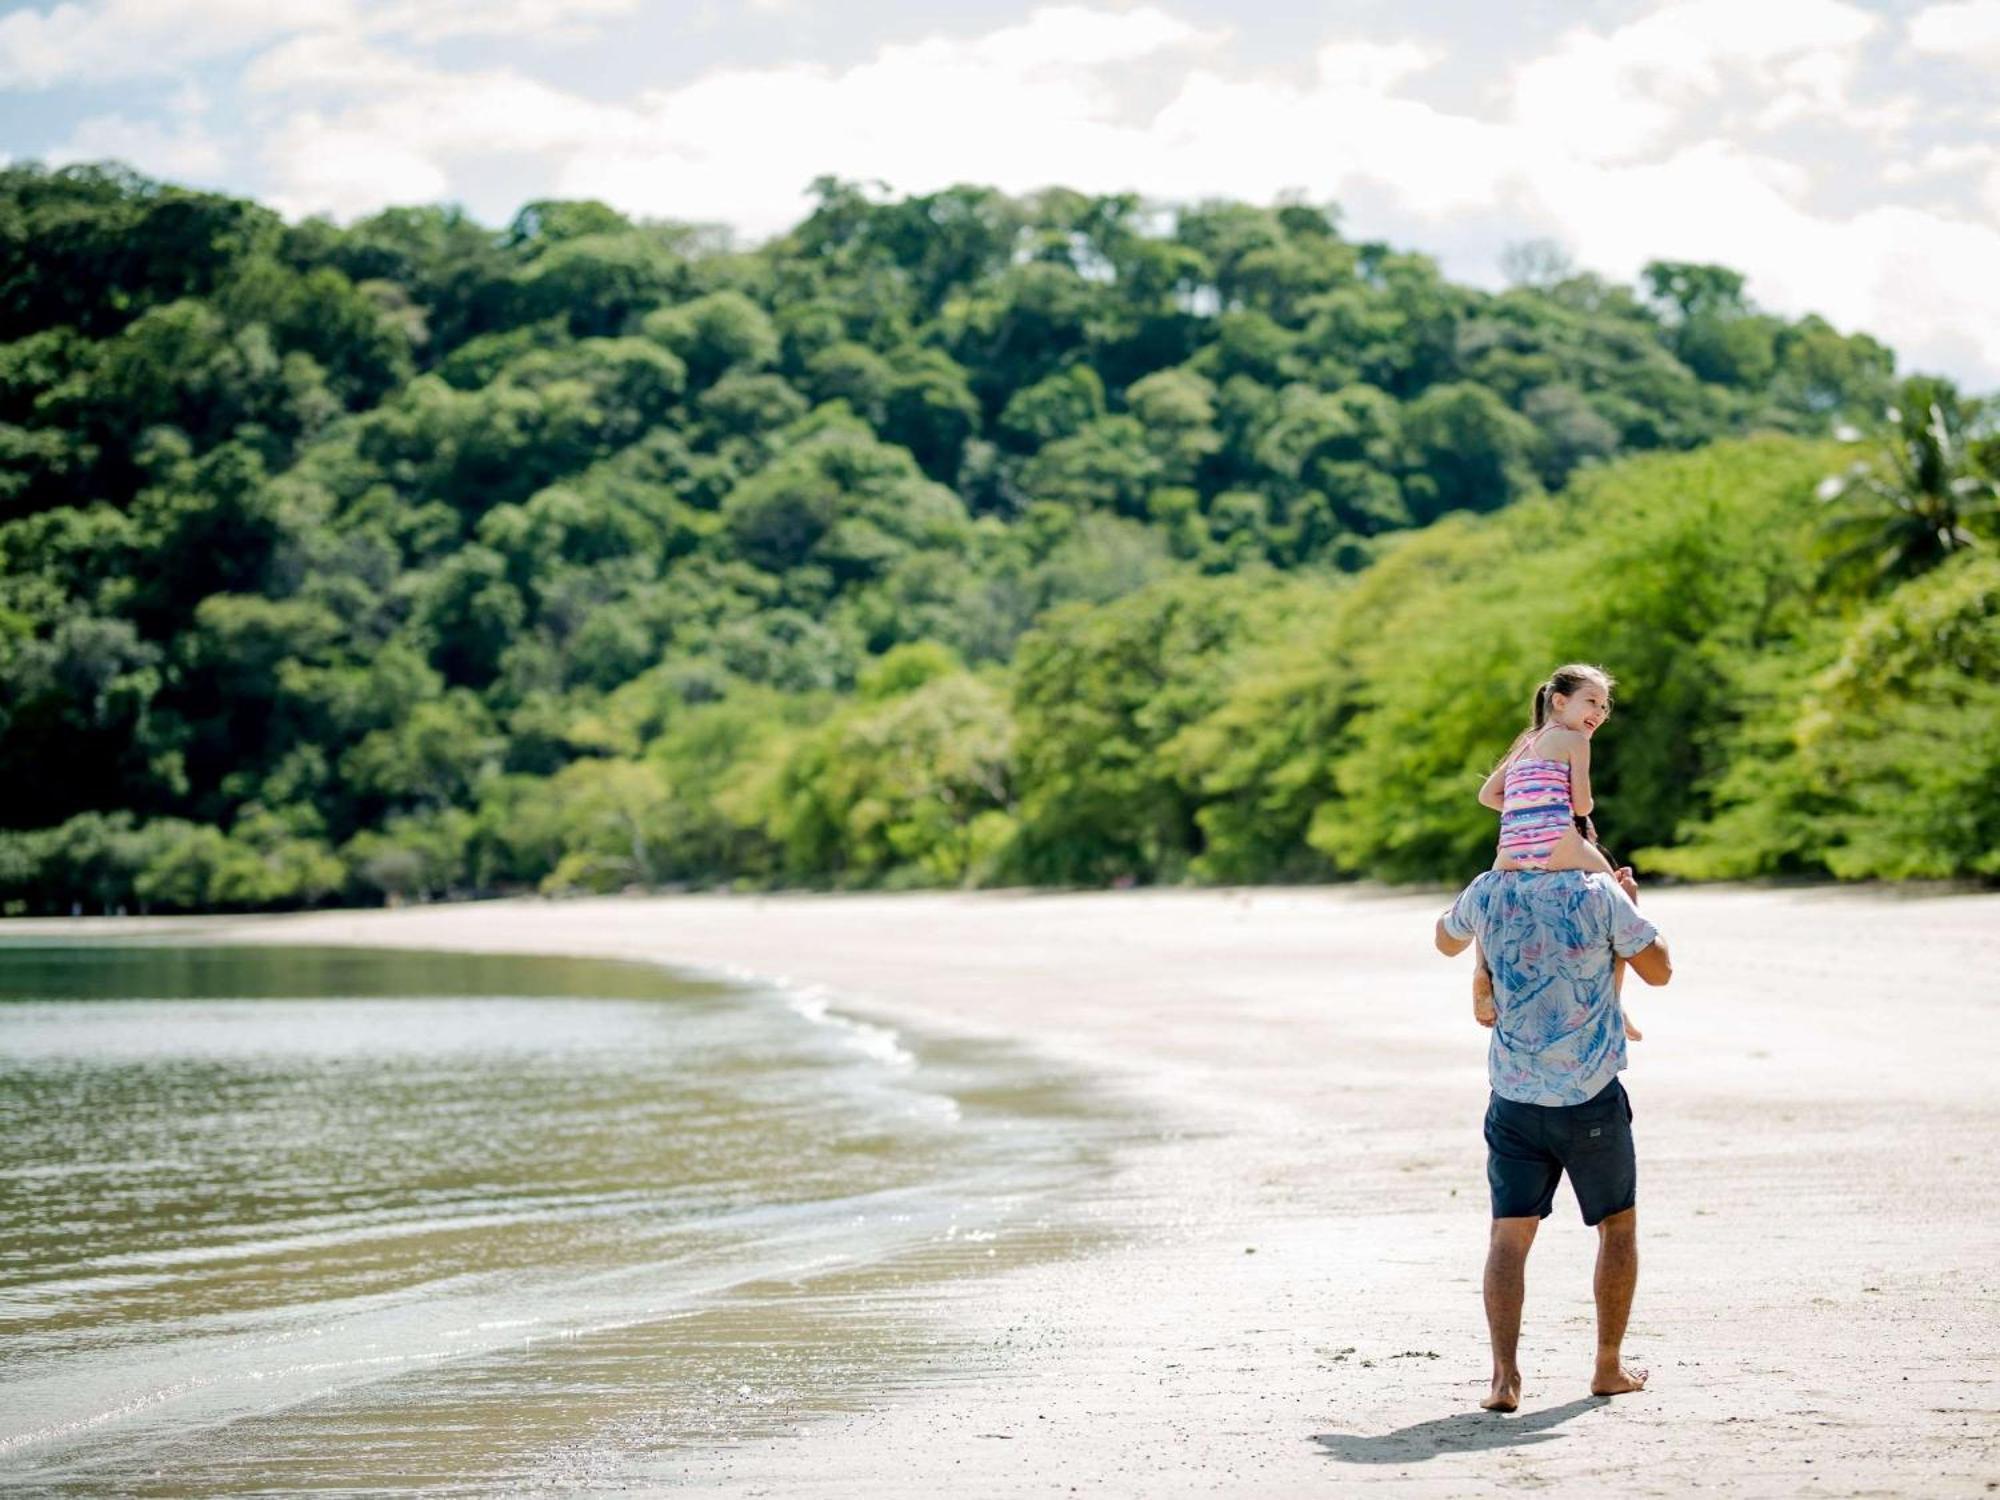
1535	811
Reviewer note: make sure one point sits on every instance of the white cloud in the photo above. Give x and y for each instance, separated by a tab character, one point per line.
431	111
1371	67
1968	31
1959	180
176	144
1059	39
741	145
337	64
1618	95
434	20
116	39
381	127
1942	160
98	41
1903	273
182	150
1019	108
347	170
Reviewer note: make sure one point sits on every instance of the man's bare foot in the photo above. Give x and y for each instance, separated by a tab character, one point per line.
1618	1382
1506	1394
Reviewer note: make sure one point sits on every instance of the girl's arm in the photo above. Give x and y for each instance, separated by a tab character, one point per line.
1493	790
1580	800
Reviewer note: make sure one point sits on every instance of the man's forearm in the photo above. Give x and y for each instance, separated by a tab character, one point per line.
1653	963
1448	945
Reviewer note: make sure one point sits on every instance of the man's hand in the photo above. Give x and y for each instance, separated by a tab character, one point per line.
1483	1009
1627	883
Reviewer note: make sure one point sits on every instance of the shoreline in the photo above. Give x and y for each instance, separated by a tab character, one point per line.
1288	1294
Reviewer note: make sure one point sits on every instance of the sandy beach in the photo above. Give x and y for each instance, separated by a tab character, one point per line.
1275	1289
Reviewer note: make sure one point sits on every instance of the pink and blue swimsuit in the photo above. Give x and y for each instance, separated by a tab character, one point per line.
1535	811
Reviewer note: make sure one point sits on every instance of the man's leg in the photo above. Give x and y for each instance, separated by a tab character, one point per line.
1617	1277
1521	1176
1506	1288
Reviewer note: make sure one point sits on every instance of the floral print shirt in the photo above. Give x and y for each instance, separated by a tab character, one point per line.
1549	938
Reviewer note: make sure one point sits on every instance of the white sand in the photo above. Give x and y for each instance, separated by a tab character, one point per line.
1819	1146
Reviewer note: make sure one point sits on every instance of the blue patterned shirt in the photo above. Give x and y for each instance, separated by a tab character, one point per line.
1549	938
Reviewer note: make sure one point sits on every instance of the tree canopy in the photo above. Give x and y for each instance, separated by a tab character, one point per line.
946	538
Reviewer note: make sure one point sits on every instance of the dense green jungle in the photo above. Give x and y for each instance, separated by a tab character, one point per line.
952	539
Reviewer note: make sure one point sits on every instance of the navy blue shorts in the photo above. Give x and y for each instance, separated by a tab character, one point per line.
1530	1146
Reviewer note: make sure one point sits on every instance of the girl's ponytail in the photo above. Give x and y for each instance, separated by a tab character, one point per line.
1562	680
1567	680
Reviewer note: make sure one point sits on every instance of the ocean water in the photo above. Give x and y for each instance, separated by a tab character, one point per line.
286	1219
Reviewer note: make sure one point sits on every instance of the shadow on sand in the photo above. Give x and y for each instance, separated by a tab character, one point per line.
1468	1432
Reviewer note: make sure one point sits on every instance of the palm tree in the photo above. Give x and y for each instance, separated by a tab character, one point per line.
1924	496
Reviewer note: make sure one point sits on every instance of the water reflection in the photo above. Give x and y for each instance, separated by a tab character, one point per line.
257	1202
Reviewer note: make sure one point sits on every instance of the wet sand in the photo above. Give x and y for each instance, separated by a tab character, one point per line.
1281	1291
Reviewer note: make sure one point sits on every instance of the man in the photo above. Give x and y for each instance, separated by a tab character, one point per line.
1557	1106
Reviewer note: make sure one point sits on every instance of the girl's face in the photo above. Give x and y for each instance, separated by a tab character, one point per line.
1582	710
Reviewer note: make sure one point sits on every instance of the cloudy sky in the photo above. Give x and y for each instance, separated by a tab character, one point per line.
1846	156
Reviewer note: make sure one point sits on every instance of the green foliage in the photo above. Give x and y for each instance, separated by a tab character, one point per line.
930	410
840	501
89	247
903	669
1098	693
421	856
100	863
595	825
435	758
935	541
1473	451
1105	465
907	787
1059	406
600	281
1929	492
718	332
1878	756
1669	571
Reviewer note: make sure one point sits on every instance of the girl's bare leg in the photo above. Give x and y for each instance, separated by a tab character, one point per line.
1575	852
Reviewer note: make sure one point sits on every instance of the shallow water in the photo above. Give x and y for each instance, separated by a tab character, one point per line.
275	1219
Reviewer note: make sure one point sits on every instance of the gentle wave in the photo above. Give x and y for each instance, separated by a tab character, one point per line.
457	1321
225	1214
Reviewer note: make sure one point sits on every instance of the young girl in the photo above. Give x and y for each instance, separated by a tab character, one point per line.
1542	792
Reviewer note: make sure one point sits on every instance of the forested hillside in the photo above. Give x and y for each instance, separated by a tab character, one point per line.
946	539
